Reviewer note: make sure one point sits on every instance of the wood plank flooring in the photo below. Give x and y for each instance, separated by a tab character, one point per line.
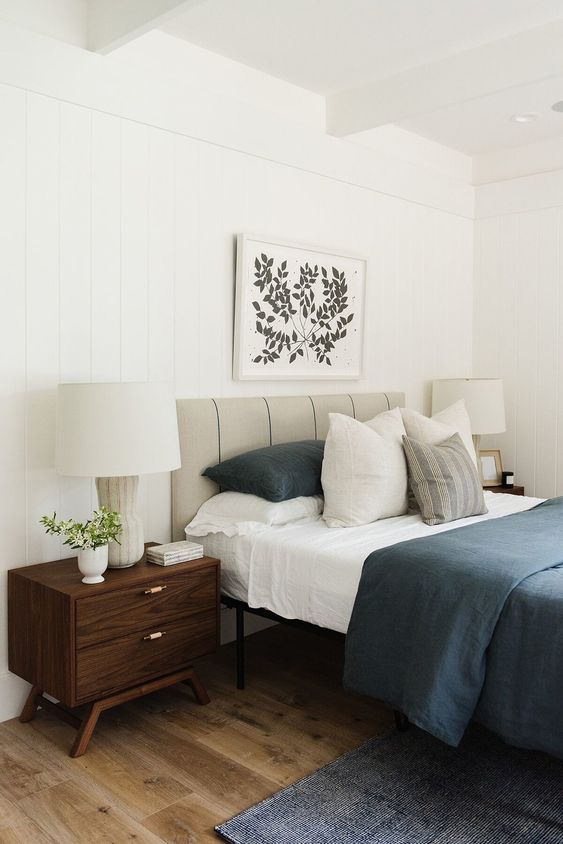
163	768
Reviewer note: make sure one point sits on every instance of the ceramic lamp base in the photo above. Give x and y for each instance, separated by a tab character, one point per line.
120	494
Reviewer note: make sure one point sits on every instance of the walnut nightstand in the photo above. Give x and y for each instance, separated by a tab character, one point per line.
103	645
507	490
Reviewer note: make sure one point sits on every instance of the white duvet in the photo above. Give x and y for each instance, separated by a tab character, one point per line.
311	572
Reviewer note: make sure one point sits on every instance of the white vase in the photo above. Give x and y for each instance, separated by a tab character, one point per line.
92	563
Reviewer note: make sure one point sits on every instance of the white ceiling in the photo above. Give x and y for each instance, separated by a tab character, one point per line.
329	46
482	125
452	71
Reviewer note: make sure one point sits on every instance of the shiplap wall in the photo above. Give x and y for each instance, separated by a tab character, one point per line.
117	245
518	329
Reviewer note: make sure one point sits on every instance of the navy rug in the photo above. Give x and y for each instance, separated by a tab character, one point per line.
409	788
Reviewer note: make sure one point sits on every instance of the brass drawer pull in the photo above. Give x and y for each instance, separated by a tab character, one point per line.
154	589
158	635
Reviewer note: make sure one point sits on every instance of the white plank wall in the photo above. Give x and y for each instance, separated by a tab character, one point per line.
518	334
42	142
118	246
106	247
75	268
13	368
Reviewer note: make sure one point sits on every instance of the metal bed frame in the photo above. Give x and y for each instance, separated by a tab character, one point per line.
240	607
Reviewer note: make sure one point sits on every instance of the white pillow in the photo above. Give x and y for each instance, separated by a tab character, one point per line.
440	427
364	473
240	514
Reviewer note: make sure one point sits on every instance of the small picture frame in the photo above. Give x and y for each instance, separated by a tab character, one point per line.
491	466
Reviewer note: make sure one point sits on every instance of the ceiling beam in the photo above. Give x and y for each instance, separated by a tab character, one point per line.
497	66
112	23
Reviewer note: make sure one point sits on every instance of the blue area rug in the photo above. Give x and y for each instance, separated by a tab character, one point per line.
409	788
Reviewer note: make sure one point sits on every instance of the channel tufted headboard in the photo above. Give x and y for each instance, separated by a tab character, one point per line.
216	429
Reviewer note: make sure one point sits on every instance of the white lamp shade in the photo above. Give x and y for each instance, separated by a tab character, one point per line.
111	430
483	397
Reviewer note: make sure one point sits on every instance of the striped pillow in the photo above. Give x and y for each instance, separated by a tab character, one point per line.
444	480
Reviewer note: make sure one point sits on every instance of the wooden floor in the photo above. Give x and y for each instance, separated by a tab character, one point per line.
164	769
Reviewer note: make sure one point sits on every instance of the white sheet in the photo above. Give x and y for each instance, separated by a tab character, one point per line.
311	572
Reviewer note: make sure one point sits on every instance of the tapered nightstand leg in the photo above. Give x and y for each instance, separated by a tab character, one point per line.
31	705
198	689
86	729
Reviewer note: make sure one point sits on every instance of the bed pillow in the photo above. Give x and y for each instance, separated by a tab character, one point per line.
364	474
276	473
453	419
240	514
444	480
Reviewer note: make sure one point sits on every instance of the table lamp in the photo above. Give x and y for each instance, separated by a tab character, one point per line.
116	432
484	401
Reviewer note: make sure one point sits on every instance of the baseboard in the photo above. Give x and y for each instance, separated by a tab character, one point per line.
13	692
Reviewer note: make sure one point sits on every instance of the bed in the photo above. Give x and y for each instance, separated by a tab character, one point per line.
215	429
306	573
269	570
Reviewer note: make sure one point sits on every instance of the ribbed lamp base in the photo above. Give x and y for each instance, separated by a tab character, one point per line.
120	494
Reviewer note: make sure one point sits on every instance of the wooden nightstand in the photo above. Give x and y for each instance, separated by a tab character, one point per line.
103	645
507	490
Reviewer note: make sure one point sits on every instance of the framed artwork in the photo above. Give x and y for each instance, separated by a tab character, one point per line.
299	311
491	467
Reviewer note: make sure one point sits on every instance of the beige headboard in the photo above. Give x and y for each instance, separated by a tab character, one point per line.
212	430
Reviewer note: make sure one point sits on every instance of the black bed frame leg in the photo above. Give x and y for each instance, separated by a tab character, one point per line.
401	721
240	647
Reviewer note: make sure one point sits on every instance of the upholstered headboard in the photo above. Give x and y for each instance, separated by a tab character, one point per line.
212	430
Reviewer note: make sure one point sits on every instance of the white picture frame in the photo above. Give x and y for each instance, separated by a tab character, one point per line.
283	290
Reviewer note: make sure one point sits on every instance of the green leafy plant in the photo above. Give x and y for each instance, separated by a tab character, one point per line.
104	527
307	319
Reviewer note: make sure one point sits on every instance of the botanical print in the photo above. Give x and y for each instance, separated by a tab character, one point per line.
299	312
307	326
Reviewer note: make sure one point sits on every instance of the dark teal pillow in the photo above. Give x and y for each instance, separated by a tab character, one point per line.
276	473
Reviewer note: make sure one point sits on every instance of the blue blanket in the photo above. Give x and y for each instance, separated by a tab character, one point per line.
467	622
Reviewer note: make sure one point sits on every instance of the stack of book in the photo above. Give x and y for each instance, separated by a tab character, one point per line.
174	552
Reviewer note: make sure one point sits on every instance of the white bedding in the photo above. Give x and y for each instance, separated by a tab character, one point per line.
311	572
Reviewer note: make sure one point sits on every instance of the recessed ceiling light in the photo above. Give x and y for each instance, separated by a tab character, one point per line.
526	117
558	106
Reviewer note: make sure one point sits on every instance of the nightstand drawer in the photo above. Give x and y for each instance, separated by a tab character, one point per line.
108	616
102	668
